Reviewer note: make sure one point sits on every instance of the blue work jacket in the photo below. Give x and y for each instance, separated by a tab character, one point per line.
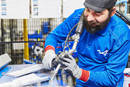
104	53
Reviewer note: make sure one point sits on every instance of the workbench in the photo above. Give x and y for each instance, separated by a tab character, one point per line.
6	78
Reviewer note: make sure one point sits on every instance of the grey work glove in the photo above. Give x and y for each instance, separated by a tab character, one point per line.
70	65
48	59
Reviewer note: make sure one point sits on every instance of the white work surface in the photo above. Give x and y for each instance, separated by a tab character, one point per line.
40	73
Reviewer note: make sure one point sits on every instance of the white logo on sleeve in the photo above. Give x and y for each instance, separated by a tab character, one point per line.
103	53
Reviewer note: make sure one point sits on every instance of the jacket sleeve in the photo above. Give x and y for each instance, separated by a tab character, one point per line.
117	61
59	34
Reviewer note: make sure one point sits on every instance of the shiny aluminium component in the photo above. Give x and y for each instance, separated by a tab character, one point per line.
78	32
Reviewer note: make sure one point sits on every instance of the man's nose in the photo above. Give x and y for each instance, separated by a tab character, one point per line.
90	17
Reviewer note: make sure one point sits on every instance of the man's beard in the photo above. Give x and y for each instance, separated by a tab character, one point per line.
92	29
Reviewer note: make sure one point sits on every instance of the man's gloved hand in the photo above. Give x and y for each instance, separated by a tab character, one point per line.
48	58
70	65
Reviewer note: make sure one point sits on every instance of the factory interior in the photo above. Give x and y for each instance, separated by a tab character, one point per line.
22	42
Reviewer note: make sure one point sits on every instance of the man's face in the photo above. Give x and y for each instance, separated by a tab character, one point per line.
95	21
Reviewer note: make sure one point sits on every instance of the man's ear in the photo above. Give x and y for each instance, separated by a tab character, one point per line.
113	11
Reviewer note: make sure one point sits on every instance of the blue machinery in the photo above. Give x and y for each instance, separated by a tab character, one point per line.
34	45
